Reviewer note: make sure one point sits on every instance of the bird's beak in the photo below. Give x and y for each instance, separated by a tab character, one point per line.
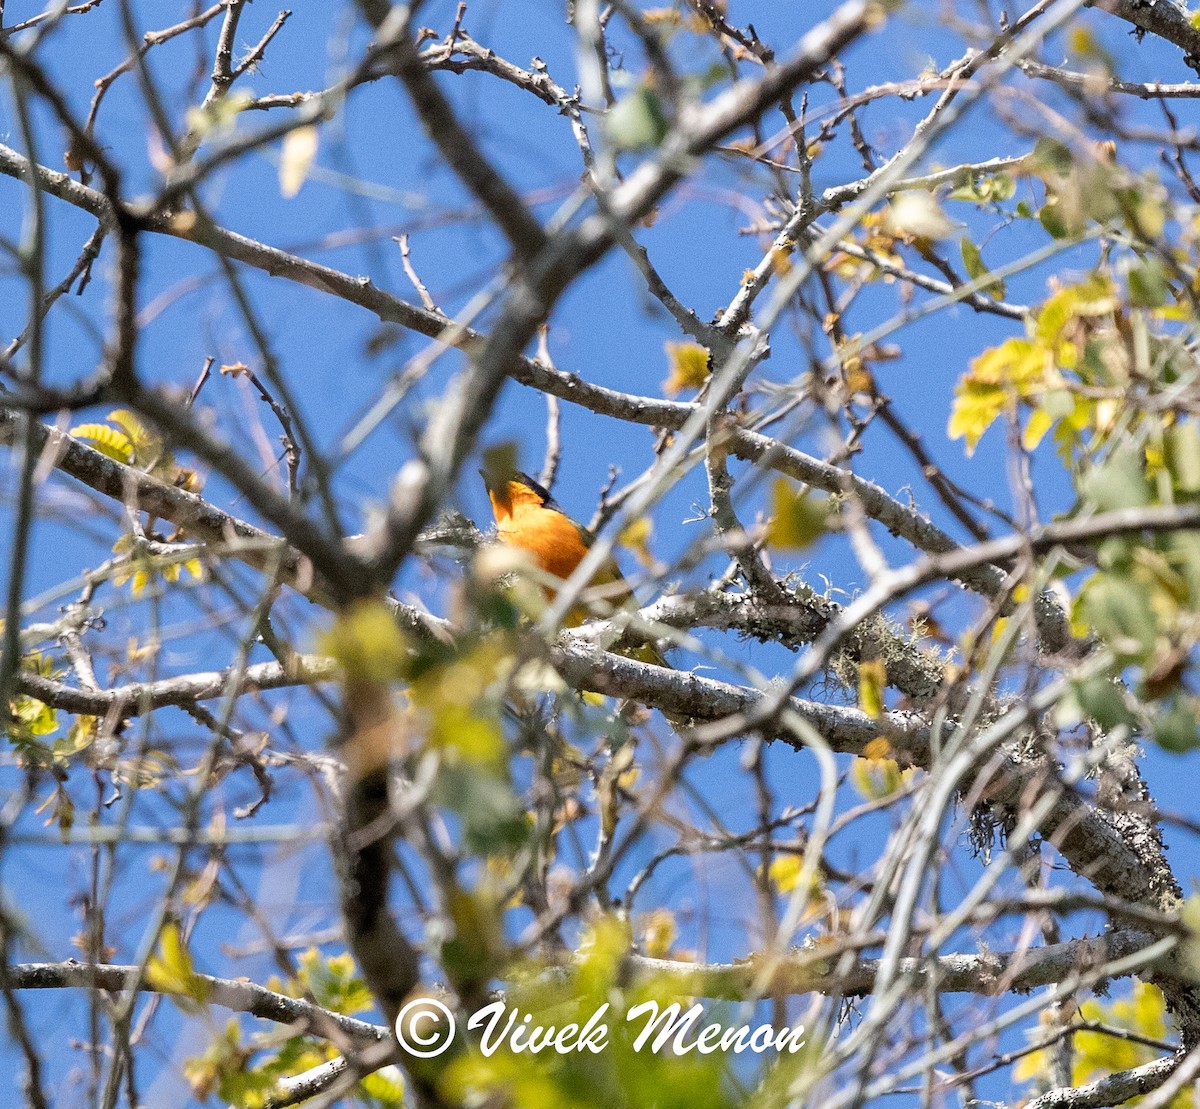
497	492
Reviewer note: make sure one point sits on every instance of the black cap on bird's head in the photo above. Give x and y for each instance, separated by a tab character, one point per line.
500	483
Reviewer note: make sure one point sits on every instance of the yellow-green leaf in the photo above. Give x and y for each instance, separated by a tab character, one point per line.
218	114
36	718
636	536
976	268
976	406
1182	442
1018	369
1039	423
367	642
296	159
385	1086
1093	297
659	932
872	680
797	519
171	971
875	778
689	367
474	735
784	872
637	121
147	445
107	440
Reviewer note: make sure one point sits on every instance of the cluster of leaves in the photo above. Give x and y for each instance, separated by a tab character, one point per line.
33	728
30	721
619	1075
1085	187
245	1071
1143	601
1106	367
1117	1036
1067	345
453	698
126	439
1114	391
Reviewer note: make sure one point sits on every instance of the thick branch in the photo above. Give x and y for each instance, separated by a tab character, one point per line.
817	971
241	997
1112	1089
1163	18
797	620
137	698
128	485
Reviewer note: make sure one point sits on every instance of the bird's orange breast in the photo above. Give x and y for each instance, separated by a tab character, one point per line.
552	539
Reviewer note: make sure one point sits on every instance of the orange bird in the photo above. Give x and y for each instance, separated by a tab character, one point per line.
528	517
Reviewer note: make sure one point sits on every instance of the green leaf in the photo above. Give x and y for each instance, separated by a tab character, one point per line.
1119	483
638	121
974	265
872	679
493	817
1121	611
171	971
1003	186
1182	443
984	190
1100	699
1148	287
1189	914
797	519
1174	729
972	259
1050	155
1051	218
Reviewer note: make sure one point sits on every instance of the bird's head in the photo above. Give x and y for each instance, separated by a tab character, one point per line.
510	491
